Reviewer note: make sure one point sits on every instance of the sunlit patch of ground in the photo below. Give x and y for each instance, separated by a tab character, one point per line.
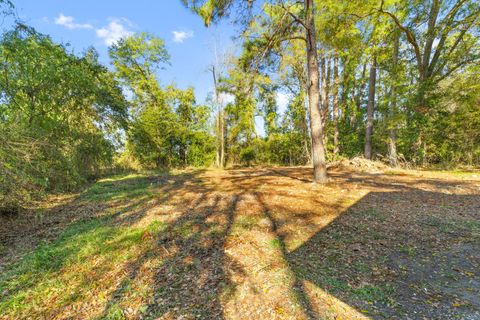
249	244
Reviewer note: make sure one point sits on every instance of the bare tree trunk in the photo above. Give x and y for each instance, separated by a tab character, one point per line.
313	86
220	155
392	140
359	96
222	139
307	140
335	103
325	79
370	108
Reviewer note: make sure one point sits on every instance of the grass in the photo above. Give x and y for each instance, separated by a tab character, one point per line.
119	188
149	249
63	271
448	225
49	271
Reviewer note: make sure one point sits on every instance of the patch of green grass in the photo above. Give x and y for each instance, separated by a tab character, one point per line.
328	279
411	251
361	267
375	214
470	225
246	222
115	312
185	230
322	277
275	243
371	293
448	225
64	270
119	188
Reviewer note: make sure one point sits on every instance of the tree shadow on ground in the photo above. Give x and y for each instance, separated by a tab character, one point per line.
404	252
401	254
399	251
191	277
50	243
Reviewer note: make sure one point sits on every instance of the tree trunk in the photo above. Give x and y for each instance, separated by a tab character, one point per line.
359	96
392	139
307	138
392	148
335	104
220	156
325	85
313	85
222	139
326	105
370	108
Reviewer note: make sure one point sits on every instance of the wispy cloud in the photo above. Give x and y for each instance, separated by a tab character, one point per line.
69	22
113	32
181	36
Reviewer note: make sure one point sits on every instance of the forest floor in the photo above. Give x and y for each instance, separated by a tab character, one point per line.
249	244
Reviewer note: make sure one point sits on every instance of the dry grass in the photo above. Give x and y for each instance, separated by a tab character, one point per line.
249	244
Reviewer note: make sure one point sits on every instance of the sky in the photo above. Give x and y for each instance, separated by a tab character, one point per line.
99	23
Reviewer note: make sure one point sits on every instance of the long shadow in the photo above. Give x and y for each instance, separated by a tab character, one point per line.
395	258
190	282
133	267
287	173
190	277
297	288
77	223
392	254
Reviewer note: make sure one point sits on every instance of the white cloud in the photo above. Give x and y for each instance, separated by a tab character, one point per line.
180	36
69	22
113	32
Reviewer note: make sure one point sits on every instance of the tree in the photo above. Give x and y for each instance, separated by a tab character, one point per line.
136	60
370	108
448	43
220	126
58	114
335	104
392	139
284	23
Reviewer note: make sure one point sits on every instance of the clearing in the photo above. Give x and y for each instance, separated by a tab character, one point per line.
249	244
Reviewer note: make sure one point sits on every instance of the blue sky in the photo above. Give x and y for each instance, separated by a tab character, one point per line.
99	23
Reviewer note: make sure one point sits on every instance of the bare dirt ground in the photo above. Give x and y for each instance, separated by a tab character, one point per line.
250	244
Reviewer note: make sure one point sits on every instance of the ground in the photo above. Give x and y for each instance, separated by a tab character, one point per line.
249	244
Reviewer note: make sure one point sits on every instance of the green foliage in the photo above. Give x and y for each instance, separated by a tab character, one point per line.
172	133
169	129
247	155
56	110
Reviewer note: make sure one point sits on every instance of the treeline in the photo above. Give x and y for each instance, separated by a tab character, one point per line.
395	80
65	119
57	111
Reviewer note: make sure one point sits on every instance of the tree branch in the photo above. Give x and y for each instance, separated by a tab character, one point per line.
410	36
